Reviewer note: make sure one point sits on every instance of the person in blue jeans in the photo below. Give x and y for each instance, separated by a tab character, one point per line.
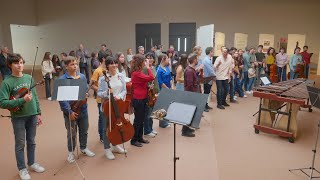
164	80
295	59
73	120
148	121
26	118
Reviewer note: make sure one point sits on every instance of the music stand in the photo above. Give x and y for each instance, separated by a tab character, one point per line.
69	90
183	108
314	96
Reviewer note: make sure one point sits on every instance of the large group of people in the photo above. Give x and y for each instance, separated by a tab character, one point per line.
235	73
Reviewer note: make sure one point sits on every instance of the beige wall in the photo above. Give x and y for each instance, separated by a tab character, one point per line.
65	24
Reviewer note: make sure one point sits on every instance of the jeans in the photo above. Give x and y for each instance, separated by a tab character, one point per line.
47	82
245	81
100	123
293	74
231	88
104	135
250	85
282	73
258	81
207	89
148	122
24	129
140	112
85	70
222	90
82	123
238	87
306	71
180	86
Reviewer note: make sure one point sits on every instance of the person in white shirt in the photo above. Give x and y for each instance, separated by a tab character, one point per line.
282	61
223	69
47	69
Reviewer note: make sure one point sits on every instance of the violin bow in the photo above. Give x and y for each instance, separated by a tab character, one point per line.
34	63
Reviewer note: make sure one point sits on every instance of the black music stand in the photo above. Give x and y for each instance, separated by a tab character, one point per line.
183	108
69	90
314	96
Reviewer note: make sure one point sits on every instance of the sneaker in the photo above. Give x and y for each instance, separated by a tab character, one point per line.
168	126
226	104
220	107
24	174
251	92
245	96
155	132
109	154
208	107
235	97
143	141
150	135
87	152
118	149
71	157
136	143
37	168
233	101
101	141
49	98
188	134
247	92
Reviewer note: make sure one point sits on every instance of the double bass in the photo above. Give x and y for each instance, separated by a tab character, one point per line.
120	129
273	73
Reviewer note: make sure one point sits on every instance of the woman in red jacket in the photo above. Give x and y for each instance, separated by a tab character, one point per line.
140	96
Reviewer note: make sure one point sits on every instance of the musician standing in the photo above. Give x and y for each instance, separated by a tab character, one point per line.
25	120
77	121
140	96
4	70
118	86
83	56
282	61
295	59
306	59
209	73
95	79
223	69
148	121
164	79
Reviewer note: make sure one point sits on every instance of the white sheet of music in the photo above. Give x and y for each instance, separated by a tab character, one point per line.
265	80
68	93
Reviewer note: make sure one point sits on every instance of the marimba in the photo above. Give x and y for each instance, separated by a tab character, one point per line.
290	94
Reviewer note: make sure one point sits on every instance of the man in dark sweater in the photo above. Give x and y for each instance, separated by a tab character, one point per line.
4	70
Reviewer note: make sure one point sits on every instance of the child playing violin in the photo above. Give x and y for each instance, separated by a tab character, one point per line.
26	119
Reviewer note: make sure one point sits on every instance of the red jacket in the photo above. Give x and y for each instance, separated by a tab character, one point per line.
140	84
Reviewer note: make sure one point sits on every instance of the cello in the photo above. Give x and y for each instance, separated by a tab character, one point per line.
120	129
273	73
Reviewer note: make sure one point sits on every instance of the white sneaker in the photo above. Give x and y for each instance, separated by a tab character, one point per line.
245	96
251	92
247	92
37	168
24	174
155	132
87	152
235	97
118	149
49	98
169	126
71	157
151	135
109	154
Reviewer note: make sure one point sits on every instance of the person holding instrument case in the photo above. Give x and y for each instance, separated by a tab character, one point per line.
74	120
26	114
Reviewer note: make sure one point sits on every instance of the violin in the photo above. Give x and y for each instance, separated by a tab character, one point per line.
120	129
21	93
151	95
77	105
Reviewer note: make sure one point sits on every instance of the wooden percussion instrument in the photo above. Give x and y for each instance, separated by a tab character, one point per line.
279	105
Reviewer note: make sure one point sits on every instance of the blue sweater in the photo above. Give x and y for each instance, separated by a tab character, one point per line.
164	77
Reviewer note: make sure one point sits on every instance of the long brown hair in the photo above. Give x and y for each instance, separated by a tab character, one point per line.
46	57
123	66
183	61
137	62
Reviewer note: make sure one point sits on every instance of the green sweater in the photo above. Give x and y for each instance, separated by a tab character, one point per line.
10	86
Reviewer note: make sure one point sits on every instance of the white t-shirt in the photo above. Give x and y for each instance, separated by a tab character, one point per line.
116	85
222	72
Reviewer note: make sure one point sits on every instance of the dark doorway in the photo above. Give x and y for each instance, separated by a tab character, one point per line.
148	35
182	36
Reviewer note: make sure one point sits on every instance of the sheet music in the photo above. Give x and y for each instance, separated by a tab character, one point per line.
265	80
68	93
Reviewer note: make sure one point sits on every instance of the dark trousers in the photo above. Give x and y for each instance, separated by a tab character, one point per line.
207	89
245	81
140	111
83	125
306	71
282	73
222	90
24	129
47	82
231	89
85	70
100	122
4	72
